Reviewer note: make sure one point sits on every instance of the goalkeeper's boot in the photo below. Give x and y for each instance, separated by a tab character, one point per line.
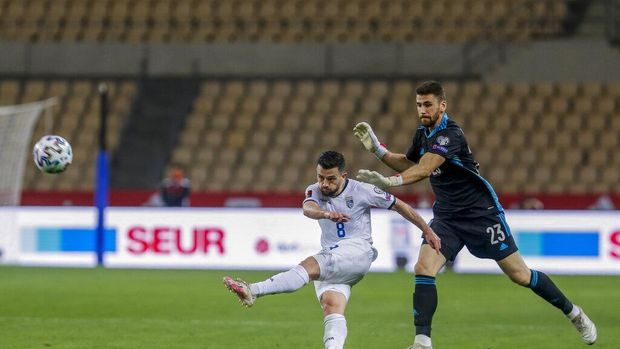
242	289
419	346
585	326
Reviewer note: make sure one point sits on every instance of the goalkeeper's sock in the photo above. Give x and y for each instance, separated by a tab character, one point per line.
573	313
542	285
423	339
287	281
335	331
424	304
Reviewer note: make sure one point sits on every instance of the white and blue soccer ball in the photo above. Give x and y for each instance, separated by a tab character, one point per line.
52	154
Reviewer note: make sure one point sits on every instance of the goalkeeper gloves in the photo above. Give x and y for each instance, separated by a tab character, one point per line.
364	132
377	179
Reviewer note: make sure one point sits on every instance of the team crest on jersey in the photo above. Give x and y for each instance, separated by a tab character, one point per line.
443	140
378	191
349	201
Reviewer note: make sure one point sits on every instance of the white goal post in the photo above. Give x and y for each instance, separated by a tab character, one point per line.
17	123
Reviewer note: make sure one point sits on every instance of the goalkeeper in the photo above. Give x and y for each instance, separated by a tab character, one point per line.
466	211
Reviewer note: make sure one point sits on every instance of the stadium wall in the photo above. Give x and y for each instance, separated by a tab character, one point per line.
126	197
567	242
232	60
554	60
586	59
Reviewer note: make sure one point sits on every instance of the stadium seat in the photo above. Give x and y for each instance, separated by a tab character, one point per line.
9	92
238	127
544	89
76	117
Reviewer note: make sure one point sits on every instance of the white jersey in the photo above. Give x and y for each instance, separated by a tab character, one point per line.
355	200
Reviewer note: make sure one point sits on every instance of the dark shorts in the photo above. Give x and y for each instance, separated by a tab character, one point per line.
485	237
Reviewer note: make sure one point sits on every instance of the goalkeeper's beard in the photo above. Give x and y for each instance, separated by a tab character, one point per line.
430	120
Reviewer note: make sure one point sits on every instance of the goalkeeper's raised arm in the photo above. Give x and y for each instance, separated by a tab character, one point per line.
397	162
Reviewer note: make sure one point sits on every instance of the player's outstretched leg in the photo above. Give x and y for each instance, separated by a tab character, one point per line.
285	282
288	281
584	325
542	285
514	266
241	289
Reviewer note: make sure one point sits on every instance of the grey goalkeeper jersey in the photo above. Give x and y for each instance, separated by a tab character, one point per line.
355	200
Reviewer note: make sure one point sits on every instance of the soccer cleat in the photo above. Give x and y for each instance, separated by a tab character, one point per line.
419	346
242	289
585	326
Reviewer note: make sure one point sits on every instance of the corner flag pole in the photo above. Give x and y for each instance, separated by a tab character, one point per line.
101	185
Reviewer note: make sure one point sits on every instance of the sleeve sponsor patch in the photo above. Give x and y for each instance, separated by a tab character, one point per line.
440	148
378	191
441	144
308	194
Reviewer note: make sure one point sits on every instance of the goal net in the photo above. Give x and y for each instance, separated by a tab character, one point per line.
17	123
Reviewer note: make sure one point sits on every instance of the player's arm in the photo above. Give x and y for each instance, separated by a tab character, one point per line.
397	162
428	163
314	211
412	216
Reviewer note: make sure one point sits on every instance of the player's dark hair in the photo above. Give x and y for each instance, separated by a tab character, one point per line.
330	159
431	88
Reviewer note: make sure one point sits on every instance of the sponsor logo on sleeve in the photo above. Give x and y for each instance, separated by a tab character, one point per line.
388	196
308	194
441	144
440	148
378	191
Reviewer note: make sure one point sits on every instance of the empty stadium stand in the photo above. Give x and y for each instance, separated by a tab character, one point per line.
75	117
275	21
263	135
262	132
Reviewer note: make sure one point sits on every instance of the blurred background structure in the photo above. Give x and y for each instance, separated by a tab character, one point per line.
245	93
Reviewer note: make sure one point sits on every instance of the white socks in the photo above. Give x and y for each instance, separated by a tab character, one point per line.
573	313
423	339
287	281
335	331
292	280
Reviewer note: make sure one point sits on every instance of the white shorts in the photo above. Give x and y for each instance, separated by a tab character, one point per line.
343	265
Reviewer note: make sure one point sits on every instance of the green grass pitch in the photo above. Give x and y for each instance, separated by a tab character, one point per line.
182	309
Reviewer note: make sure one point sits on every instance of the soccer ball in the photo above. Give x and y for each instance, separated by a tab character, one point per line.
52	154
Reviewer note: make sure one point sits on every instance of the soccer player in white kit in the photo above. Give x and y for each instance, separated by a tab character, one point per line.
342	207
